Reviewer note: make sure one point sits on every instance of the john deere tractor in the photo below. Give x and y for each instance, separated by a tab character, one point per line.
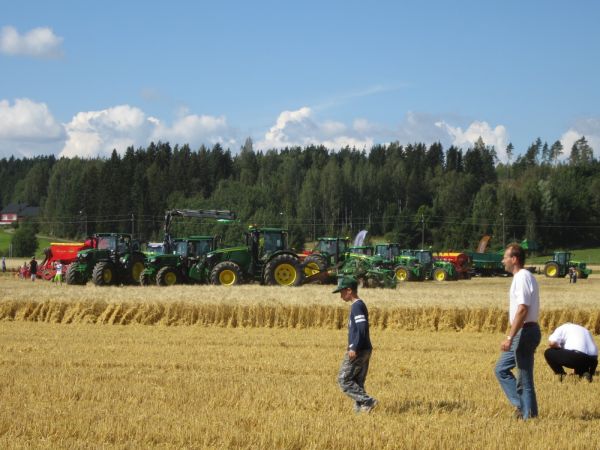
174	268
328	253
415	265
180	256
265	258
113	259
561	263
371	271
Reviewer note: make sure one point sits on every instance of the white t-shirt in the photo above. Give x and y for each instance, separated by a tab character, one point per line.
524	291
59	268
574	337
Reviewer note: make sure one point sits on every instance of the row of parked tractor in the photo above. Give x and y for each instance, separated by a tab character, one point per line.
265	257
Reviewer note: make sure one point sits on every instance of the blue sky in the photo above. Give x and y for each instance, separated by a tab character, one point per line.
82	78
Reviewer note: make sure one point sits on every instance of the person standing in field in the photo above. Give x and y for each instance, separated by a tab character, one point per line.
355	366
59	268
572	346
3	264
518	348
33	268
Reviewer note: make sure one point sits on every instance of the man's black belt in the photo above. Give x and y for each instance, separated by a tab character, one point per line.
529	324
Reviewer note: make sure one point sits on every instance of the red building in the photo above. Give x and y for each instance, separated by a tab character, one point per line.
15	212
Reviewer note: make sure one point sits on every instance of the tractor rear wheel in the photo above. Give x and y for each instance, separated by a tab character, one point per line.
74	276
226	273
167	276
551	270
313	265
440	274
104	274
403	274
283	270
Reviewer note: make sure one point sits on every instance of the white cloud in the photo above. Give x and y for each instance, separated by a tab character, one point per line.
588	127
497	136
28	129
39	43
97	133
298	128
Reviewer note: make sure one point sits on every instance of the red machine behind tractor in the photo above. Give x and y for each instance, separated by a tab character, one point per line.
65	252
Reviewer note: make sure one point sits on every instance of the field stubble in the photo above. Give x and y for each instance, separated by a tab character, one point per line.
88	386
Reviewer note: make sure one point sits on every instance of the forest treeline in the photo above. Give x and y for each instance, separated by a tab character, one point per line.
448	197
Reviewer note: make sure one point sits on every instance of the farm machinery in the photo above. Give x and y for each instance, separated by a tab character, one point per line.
111	258
561	264
328	253
416	265
265	258
178	257
63	252
486	263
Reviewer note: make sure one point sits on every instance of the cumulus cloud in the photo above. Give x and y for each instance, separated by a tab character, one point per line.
299	128
588	127
39	43
28	129
98	133
497	136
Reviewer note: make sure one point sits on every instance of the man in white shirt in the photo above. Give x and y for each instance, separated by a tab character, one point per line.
518	348
572	346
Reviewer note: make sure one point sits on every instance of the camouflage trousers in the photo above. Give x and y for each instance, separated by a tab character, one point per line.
352	377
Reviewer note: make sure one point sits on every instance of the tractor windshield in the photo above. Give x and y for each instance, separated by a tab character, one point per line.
107	243
327	247
273	242
424	257
181	248
202	248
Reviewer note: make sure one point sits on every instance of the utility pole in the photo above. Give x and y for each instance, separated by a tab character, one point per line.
422	231
503	233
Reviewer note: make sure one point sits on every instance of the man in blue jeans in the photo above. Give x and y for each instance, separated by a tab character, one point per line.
355	366
518	348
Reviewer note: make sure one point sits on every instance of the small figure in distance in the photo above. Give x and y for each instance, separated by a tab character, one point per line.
59	269
572	346
33	268
355	366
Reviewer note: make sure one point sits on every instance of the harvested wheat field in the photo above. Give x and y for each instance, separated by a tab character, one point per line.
255	367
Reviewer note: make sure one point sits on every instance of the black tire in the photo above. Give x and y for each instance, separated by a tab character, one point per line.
226	273
283	270
552	270
313	265
167	276
74	276
104	274
136	267
440	274
403	273
145	279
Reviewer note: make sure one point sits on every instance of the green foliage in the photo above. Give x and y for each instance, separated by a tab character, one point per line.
24	241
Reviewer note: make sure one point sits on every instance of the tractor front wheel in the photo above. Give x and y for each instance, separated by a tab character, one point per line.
313	265
440	274
137	267
167	276
226	273
283	270
403	274
74	276
145	279
551	270
104	274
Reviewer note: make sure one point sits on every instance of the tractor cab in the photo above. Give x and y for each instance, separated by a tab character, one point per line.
266	241
562	258
366	250
388	252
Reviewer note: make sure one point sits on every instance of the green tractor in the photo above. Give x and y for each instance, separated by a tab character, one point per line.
114	259
561	263
178	258
416	265
265	258
167	269
328	253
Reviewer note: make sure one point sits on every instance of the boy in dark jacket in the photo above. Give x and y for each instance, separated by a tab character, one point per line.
353	372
